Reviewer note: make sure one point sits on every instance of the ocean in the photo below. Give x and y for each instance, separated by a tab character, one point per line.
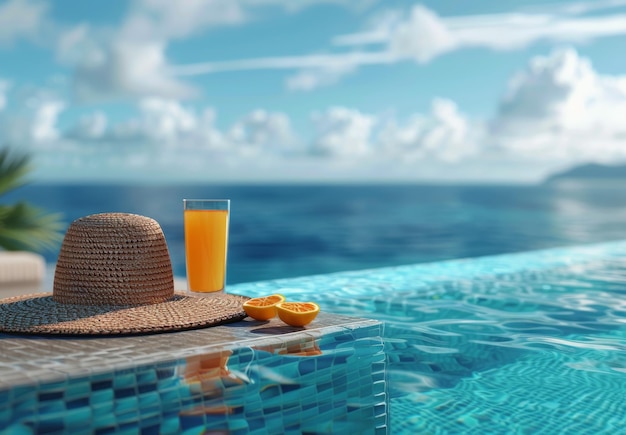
280	231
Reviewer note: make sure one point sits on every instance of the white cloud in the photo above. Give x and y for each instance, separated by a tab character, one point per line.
131	61
166	120
165	19
90	127
169	138
577	8
515	31
315	61
4	87
74	43
19	19
313	78
445	135
168	126
422	37
425	35
560	108
377	29
263	133
127	68
44	125
167	134
180	135
32	122
296	6
342	132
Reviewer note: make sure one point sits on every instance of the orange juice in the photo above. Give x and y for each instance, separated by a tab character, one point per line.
206	242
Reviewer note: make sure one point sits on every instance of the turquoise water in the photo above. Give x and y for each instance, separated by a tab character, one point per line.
524	343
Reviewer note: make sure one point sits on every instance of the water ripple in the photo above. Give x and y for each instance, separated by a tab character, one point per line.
497	350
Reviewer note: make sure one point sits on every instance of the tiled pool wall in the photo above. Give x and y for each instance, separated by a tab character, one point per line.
329	382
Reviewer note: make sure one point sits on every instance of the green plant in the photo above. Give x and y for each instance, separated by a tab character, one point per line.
24	226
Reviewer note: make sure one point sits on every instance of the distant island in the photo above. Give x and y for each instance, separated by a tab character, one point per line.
589	172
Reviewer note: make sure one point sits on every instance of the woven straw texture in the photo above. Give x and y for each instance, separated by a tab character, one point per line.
40	314
113	259
114	276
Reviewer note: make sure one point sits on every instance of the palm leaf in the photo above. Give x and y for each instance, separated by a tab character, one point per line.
13	169
24	227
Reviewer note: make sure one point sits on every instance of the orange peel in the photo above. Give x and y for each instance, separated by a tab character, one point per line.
297	313
263	308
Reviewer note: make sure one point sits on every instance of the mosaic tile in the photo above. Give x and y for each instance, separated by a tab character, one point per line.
253	378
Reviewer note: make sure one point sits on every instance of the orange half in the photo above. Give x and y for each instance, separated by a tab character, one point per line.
297	313
263	308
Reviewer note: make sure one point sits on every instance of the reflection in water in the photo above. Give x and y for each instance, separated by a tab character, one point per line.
583	211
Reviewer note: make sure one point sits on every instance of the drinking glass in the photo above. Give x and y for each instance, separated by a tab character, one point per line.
206	243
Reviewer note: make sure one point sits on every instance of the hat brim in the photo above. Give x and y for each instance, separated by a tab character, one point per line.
39	314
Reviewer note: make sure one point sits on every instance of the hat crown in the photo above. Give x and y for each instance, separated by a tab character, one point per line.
113	259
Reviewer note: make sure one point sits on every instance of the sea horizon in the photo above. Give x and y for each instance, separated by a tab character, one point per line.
290	230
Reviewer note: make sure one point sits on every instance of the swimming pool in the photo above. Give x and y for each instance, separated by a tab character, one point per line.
521	343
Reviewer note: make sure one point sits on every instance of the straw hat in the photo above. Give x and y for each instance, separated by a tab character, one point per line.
114	276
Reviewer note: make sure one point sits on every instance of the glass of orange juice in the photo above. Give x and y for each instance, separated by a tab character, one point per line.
206	243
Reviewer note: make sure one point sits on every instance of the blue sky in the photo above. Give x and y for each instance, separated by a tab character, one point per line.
312	90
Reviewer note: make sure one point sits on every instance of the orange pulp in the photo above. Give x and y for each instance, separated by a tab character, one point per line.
297	313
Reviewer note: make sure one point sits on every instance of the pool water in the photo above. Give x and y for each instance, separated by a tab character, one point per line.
522	343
